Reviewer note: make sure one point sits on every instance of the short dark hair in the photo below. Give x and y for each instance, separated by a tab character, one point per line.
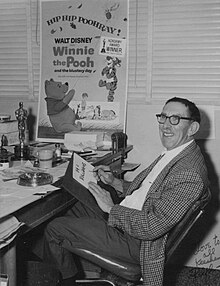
193	109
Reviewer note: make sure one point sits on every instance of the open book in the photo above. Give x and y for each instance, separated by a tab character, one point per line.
82	171
78	174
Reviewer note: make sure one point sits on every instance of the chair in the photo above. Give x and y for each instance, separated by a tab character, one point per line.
131	272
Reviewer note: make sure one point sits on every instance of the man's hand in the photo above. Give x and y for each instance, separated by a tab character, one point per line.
102	197
104	174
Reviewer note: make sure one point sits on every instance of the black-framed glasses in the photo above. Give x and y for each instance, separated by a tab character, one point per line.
173	119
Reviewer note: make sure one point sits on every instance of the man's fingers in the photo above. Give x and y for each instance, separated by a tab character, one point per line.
94	188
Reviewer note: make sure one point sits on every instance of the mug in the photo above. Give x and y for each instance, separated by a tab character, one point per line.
45	158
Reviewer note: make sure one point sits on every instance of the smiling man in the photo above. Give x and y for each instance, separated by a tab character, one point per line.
136	229
183	122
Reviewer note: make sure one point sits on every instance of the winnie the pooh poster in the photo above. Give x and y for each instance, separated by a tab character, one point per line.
83	80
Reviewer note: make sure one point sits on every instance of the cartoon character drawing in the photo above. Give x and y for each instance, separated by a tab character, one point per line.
108	11
110	72
83	104
78	111
62	117
97	112
108	114
104	114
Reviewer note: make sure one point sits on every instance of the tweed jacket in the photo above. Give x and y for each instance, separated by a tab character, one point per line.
173	192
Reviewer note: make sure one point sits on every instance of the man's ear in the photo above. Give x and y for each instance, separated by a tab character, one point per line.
194	128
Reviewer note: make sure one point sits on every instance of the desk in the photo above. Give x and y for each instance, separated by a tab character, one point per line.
33	215
40	211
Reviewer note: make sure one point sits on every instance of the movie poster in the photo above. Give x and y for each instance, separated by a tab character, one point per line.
83	79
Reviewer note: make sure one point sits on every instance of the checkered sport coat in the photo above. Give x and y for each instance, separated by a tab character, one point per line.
173	192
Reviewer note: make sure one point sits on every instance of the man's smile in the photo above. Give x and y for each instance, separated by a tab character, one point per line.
167	134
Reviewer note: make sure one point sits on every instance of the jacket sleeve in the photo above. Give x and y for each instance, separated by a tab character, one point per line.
162	209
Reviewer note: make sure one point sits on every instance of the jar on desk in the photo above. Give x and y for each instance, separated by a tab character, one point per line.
4	159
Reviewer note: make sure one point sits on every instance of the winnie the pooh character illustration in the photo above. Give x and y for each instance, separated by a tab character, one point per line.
62	117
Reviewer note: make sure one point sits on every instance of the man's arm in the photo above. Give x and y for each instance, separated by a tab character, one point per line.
160	212
102	196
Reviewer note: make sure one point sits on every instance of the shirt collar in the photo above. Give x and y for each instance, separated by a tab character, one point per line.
177	150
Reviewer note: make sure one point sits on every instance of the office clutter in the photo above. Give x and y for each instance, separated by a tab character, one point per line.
15	197
44	156
77	141
19	148
31	173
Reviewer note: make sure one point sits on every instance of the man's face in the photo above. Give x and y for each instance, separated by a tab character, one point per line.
173	136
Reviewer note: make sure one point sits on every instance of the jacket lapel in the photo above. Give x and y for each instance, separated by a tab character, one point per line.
154	189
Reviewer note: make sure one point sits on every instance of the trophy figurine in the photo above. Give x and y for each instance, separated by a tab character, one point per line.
21	114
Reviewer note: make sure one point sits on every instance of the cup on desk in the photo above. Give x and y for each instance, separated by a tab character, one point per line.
45	158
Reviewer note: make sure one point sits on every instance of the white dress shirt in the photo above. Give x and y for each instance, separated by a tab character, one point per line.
137	198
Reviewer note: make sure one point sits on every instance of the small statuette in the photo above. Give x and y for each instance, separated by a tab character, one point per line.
21	115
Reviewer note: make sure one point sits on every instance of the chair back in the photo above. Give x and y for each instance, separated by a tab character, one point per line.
179	232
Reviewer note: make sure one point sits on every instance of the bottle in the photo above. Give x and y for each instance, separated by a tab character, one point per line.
4	161
4	141
58	152
4	156
36	162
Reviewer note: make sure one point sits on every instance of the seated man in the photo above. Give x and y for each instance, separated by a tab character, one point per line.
136	229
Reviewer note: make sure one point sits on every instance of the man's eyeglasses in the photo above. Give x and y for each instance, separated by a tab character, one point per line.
173	119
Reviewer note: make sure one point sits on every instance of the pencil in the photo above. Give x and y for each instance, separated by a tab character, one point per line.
107	171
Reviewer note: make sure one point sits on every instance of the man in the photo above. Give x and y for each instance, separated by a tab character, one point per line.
136	229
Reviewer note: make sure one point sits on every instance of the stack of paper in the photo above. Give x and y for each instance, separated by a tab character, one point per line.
8	229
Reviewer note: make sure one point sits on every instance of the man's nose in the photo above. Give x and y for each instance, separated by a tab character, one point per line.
167	122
